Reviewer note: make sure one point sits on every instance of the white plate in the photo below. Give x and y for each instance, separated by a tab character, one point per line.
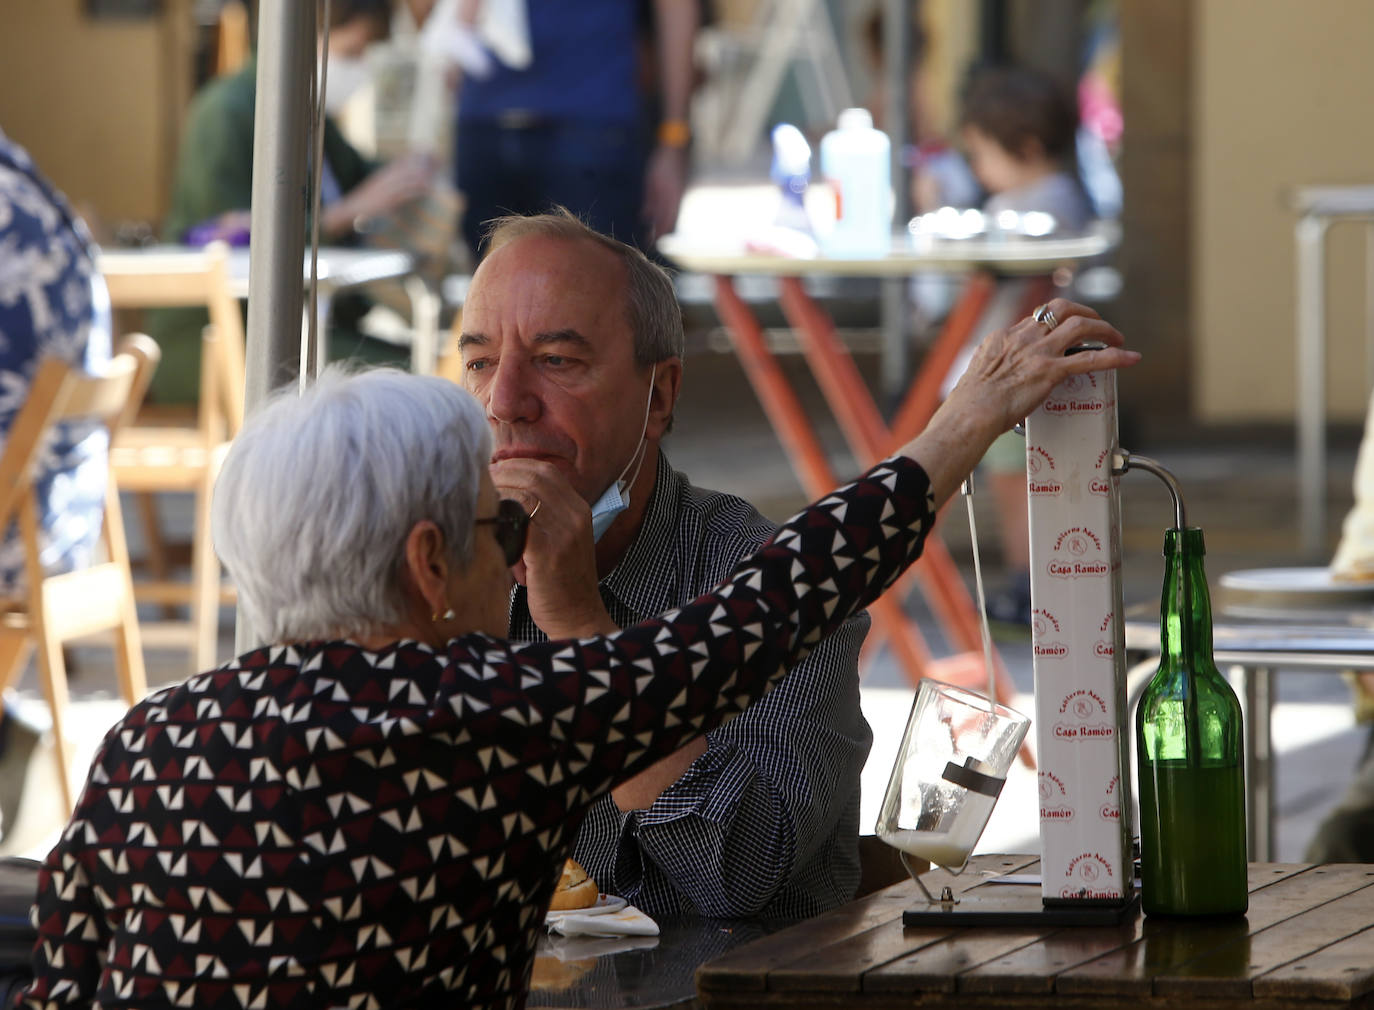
604	903
1279	587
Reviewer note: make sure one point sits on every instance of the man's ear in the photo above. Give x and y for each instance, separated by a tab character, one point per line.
667	386
427	565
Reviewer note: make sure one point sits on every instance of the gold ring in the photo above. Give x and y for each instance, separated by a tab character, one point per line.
1045	317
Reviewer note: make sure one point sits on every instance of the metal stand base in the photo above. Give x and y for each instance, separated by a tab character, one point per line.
974	910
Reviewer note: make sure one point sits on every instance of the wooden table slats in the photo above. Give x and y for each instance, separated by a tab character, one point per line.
1307	942
844	934
1342	971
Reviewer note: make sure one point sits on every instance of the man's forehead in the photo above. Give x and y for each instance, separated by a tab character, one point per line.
541	287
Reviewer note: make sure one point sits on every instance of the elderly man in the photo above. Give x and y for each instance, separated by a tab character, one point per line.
573	343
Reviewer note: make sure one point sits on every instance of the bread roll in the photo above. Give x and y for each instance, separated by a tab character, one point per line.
575	889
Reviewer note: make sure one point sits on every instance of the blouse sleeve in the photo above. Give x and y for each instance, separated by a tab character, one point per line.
615	704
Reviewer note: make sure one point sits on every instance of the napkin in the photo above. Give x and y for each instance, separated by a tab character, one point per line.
628	921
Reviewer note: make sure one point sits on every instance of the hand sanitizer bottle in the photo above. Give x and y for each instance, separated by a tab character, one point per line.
855	162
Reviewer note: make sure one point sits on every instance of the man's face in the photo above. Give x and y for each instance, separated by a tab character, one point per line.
547	350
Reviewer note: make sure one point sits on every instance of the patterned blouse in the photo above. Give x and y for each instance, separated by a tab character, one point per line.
52	304
320	825
766	822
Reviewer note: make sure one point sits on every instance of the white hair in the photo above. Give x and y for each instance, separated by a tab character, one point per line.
315	500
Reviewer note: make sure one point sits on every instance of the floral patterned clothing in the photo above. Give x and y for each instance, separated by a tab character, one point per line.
52	304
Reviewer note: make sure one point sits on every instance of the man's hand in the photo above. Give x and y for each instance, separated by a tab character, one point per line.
390	187
664	183
559	566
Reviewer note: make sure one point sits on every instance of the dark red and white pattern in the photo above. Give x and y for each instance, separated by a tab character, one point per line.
766	822
320	825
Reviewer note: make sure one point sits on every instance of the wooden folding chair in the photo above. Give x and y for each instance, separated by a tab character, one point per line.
58	608
150	457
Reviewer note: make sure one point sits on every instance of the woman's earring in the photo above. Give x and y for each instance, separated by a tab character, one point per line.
447	615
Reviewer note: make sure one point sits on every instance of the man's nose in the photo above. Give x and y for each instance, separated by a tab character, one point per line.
510	394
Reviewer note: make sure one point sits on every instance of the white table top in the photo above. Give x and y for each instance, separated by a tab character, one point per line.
1333	201
338	268
1013	255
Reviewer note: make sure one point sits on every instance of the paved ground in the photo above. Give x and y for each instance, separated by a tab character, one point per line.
1242	493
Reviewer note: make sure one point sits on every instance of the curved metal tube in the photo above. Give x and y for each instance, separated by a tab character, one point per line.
1124	461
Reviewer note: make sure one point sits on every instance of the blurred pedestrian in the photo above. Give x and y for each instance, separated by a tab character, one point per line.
568	128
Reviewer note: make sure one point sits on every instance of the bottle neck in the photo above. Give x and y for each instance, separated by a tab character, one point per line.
1185	610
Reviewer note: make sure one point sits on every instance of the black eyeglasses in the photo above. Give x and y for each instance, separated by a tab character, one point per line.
512	523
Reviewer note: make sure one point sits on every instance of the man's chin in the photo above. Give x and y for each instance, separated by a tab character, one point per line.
518	571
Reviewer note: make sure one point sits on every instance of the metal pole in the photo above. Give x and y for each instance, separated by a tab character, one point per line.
1311	371
286	53
896	360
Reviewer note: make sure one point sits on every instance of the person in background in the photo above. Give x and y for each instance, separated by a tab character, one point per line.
567	129
52	304
572	341
1346	833
1018	129
213	184
374	806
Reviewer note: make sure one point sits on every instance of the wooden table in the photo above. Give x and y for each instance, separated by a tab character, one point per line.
636	971
1307	942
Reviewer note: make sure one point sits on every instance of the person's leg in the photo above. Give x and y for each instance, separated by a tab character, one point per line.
1004	472
494	168
1346	835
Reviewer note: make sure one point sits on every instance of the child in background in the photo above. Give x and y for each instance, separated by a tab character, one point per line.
1018	129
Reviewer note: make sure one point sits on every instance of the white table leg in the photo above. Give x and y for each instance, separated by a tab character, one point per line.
1258	686
1311	390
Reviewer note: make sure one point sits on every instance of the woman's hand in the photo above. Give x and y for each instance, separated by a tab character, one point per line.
1011	374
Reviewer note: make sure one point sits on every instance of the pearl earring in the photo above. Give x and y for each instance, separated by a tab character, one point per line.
447	615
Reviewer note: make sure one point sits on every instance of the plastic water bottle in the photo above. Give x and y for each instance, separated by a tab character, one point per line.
855	162
792	172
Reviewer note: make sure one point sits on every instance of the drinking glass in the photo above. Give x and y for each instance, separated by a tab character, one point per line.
954	758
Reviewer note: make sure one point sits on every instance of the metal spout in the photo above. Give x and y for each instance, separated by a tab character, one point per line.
1123	461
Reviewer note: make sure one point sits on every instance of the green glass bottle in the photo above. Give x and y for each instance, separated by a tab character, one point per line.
1188	751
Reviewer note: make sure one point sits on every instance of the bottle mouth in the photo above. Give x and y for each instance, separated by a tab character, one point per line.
1187	538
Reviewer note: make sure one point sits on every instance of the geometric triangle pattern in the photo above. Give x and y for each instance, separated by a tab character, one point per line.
323	825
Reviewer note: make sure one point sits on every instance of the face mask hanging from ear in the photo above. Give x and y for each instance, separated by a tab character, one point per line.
616	498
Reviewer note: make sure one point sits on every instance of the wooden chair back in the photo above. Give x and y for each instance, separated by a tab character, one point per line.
57	608
192	279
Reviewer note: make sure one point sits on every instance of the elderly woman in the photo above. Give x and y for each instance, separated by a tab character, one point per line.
374	810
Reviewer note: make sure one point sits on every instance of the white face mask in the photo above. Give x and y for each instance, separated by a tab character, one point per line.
616	498
346	76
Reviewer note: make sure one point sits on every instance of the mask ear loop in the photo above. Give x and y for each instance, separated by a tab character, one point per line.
637	460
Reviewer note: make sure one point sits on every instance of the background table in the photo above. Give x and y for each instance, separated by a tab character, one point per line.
1255	643
337	270
870	437
1307	942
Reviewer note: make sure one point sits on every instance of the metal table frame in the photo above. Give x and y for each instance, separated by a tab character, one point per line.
1318	208
1256	650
